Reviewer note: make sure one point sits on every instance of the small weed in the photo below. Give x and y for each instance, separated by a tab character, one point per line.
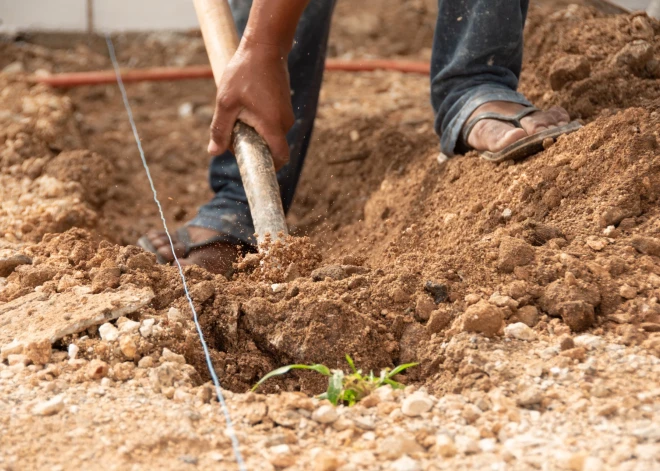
345	388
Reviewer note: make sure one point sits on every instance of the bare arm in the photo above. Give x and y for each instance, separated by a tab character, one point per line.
255	86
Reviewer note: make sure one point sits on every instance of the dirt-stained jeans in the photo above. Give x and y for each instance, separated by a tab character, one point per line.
477	56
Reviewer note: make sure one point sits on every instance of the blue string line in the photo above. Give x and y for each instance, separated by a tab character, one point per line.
209	363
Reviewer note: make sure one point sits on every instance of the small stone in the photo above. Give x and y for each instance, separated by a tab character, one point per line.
13	348
280	456
326	461
50	407
578	315
528	315
15	67
416	404
72	351
397	445
514	253
185	110
292	272
128	346
175	315
483	318
169	356
628	292
440	319
97	369
634	56
472	298
596	243
15	359
147	328
129	327
146	362
519	331
278	287
530	397
9	264
189	459
503	301
423	308
567	69
438	291
445	446
467	445
406	463
39	353
566	342
108	332
364	423
334	272
123	371
646	245
325	414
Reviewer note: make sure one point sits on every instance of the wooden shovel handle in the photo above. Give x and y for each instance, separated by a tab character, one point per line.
255	161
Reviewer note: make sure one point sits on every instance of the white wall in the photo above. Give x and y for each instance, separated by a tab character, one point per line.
108	15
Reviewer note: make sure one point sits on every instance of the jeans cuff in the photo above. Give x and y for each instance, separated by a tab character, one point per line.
235	230
451	141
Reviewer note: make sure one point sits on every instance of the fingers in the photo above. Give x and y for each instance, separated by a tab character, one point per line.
224	118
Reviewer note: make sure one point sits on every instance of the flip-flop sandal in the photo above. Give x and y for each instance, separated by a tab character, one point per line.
525	147
182	236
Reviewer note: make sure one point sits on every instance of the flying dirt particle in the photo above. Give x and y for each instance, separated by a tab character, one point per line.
439	291
483	318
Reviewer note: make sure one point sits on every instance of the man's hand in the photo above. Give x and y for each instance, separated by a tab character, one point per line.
255	90
255	86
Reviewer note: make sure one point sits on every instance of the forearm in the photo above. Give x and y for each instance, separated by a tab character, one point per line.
274	22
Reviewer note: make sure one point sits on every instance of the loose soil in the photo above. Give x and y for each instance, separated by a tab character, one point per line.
487	275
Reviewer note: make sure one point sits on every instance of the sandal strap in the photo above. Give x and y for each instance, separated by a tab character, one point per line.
184	238
515	120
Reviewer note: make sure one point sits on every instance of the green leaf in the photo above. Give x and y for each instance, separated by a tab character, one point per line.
335	386
399	369
350	363
394	384
350	397
322	369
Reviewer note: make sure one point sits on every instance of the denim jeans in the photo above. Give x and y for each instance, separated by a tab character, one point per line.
477	57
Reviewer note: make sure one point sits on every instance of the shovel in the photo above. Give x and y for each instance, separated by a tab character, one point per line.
255	161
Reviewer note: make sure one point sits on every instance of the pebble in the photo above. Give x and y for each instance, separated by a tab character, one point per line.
467	445
445	446
483	318
519	331
528	315
325	414
566	342
147	327
399	444
278	287
169	355
18	358
406	463
12	348
628	292
128	346
129	327
416	404
108	332
97	369
50	407
146	362
281	456
72	351
530	397
588	341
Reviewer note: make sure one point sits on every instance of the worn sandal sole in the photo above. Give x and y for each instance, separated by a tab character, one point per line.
530	145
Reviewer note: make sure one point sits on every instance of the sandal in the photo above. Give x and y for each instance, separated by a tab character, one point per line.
525	147
182	236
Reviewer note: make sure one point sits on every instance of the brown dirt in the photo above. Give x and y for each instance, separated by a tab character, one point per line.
558	233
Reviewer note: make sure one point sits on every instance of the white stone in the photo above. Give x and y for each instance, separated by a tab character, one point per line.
169	355
445	446
487	445
397	445
416	404
147	327
73	351
326	414
588	341
519	331
13	348
467	445
384	393
530	397
108	332
185	110
406	463
175	315
50	407
18	358
278	287
129	327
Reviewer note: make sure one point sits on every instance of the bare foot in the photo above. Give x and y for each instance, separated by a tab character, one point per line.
493	135
217	258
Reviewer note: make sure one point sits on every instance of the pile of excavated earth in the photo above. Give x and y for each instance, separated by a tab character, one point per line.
528	292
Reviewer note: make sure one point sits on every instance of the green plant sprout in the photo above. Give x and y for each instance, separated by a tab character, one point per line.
343	388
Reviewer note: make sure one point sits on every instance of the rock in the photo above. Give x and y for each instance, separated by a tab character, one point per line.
530	397
278	287
578	353
292	272
326	461
325	414
578	315
163	377
568	68
483	318
634	56
38	352
561	291
147	327
129	327
472	298
72	351
423	308
13	348
106	278
108	332
15	359
503	301
528	315
13	68
281	456
416	404
128	346
185	110
646	245
439	321
628	292
445	446
514	253
364	423
146	362
123	371
97	369
438	291
519	331
50	407
588	341
202	292
566	343
9	264
334	272
169	356
405	463
467	445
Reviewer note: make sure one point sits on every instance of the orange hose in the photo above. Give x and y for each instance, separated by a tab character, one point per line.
156	74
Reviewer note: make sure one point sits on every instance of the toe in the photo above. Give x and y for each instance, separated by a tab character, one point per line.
493	135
